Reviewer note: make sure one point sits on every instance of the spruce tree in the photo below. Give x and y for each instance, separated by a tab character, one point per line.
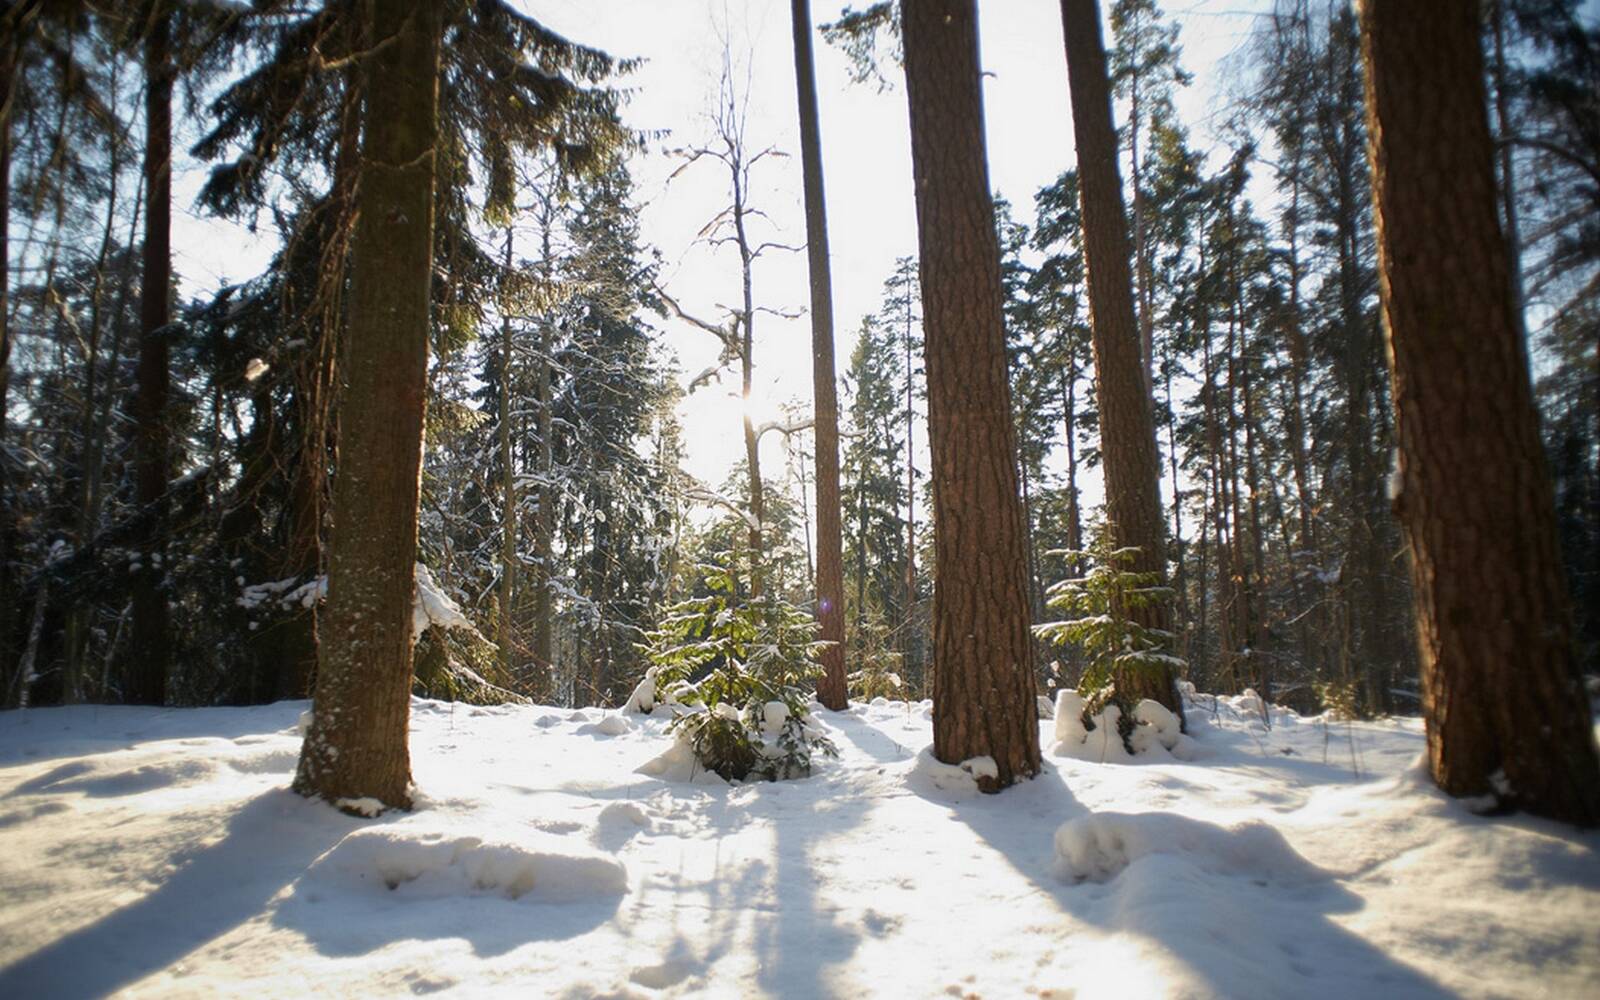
357	747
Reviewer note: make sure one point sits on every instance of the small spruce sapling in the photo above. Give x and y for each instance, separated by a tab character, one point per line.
878	674
1102	604
741	674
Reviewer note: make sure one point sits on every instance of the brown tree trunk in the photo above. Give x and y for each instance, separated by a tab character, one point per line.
984	703
152	618
1127	427
831	689
357	746
1506	712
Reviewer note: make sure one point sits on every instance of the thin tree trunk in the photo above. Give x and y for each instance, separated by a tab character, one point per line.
76	627
831	688
508	490
1127	431
152	618
357	746
1505	708
984	690
544	612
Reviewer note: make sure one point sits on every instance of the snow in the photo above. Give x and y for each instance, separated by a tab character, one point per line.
159	852
432	607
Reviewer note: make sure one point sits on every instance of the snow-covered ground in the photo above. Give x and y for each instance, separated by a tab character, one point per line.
159	853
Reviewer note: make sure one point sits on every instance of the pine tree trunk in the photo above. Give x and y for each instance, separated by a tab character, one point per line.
831	689
984	702
357	746
1127	427
152	618
1506	711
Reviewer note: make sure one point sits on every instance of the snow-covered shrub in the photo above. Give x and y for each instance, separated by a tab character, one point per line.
741	674
1102	605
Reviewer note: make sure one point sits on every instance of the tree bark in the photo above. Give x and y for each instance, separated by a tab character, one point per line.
1127	426
984	700
152	618
831	689
357	746
1506	712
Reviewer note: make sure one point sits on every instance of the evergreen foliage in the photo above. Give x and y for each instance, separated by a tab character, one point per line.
744	669
1104	602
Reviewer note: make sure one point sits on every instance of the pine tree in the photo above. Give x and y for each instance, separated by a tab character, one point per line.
1506	713
830	575
984	702
1127	433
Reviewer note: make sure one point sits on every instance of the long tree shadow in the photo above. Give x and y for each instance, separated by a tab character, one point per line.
268	844
1246	931
801	941
38	735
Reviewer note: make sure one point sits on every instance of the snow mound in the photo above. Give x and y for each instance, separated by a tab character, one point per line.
1156	733
929	773
643	698
1099	846
610	724
624	814
432	864
678	763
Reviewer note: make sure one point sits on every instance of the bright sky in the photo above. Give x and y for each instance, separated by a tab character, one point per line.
867	162
867	166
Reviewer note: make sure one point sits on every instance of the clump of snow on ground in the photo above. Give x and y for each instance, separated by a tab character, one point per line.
159	852
1156	732
1100	846
424	862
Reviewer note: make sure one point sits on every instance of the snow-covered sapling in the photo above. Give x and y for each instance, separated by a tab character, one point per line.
741	675
1103	606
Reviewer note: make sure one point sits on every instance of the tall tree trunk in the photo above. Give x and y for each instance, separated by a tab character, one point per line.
508	490
1505	709
357	746
908	638
8	64
152	618
984	702
544	522
544	611
1127	427
76	627
8	533
831	689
